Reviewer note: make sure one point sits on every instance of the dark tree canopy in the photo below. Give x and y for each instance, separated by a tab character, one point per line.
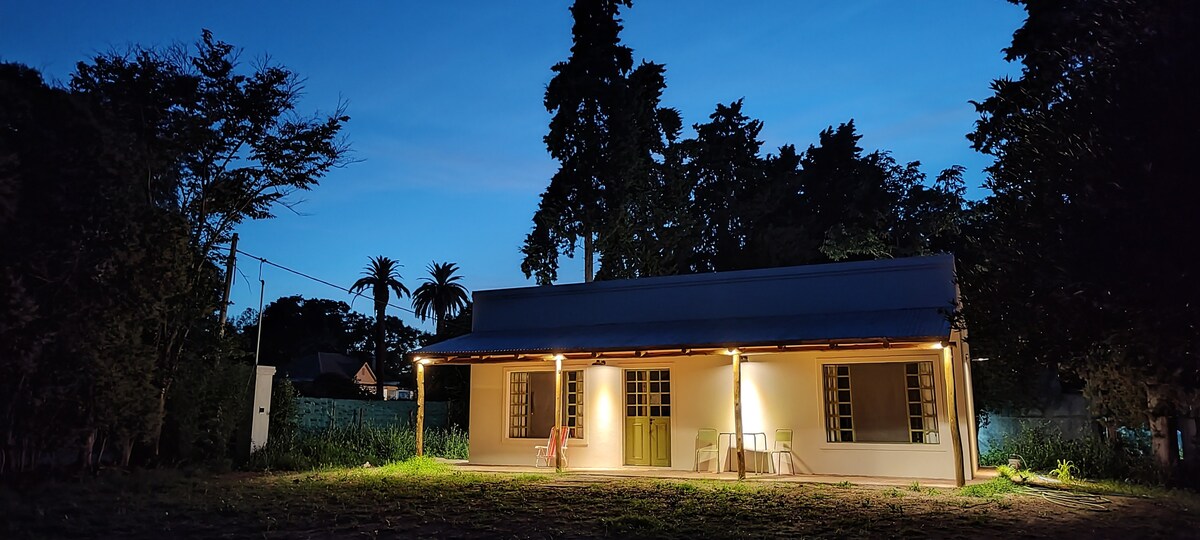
214	146
724	169
606	128
1078	258
294	327
115	194
829	203
440	295
647	203
219	146
87	267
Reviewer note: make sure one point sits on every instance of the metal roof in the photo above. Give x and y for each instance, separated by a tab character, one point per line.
896	299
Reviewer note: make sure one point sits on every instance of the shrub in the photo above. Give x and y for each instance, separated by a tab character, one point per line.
1065	471
208	412
1018	476
1041	446
354	446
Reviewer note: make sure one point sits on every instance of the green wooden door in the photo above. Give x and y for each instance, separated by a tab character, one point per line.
648	417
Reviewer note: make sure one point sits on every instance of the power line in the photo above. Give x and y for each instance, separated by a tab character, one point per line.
262	260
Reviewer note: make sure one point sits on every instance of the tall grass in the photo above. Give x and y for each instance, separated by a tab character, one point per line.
1041	446
995	487
353	446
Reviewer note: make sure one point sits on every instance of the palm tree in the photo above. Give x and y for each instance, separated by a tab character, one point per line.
440	296
383	278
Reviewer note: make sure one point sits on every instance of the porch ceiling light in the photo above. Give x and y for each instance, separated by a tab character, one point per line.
937	345
558	358
731	352
424	361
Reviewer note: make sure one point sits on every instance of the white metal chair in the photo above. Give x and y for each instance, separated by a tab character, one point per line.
706	443
783	447
545	453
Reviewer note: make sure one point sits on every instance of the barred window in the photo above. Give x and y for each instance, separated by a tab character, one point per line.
839	418
573	403
890	402
531	404
922	409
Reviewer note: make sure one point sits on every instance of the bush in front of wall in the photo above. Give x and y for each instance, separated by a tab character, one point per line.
1041	445
354	446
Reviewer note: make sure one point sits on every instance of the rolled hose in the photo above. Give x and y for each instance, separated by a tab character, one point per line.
1069	499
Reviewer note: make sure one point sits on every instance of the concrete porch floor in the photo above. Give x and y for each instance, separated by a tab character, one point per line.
982	475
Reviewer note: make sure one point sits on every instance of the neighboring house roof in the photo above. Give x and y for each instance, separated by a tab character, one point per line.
895	299
307	368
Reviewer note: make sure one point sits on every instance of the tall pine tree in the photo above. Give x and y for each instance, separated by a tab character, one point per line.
606	130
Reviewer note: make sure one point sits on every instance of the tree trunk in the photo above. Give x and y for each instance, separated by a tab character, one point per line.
162	418
1163	443
1110	433
380	351
587	257
1191	460
100	456
125	445
85	453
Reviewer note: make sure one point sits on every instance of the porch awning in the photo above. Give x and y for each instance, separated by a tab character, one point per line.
898	325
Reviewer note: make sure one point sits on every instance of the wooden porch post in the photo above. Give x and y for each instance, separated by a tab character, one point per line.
952	416
558	441
420	407
737	414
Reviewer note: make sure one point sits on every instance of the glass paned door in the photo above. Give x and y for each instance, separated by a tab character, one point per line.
648	417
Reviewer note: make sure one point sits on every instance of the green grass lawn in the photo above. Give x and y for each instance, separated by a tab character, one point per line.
420	498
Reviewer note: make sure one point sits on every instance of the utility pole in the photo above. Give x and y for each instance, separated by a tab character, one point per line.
230	264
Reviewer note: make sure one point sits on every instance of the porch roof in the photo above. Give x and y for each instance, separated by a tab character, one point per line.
894	300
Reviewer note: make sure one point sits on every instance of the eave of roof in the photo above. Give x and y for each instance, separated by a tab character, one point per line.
904	325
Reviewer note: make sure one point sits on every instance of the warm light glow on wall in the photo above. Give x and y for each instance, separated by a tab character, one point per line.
605	420
607	406
753	407
937	345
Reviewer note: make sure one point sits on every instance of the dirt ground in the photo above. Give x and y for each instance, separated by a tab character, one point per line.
394	502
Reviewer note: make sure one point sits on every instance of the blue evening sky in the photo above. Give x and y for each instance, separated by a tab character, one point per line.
445	100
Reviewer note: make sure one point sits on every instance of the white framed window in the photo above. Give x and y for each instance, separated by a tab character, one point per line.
531	403
886	402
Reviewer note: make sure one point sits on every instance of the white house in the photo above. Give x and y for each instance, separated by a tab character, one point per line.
860	360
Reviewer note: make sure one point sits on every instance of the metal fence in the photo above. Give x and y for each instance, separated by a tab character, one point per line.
325	413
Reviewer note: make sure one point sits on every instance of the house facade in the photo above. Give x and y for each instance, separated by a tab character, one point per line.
307	372
860	361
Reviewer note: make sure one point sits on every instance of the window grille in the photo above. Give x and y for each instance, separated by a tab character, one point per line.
524	387
922	404
839	417
920	401
520	409
573	401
